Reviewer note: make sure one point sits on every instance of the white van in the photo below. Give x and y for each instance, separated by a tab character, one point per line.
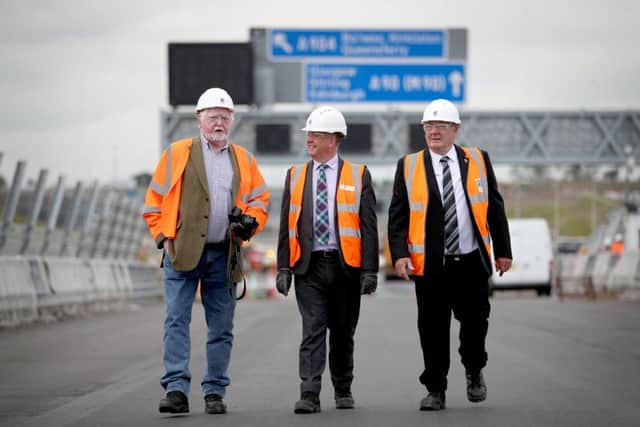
532	257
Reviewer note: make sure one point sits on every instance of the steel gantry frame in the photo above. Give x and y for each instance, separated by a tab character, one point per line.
525	138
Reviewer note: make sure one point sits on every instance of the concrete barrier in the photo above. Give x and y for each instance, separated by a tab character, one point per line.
121	269
563	267
573	273
602	265
146	280
105	281
72	281
40	276
18	303
624	274
52	287
46	287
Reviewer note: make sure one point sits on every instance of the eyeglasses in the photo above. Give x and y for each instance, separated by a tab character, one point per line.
439	126
213	119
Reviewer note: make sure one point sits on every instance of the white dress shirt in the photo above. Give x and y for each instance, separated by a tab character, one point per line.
331	172
466	240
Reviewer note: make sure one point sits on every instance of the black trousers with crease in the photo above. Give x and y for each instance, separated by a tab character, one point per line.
328	300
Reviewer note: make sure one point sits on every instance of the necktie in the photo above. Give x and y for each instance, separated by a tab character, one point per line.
449	205
322	207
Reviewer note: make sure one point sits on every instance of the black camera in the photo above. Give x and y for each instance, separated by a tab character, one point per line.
235	216
242	225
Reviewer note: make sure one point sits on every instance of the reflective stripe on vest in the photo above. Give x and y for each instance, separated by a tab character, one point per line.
296	188
347	199
348	208
163	190
415	179
478	192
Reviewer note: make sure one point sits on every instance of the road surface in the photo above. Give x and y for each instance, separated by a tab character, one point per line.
551	363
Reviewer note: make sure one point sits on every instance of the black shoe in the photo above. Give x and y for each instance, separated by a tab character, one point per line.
175	402
213	404
344	400
435	401
476	387
308	404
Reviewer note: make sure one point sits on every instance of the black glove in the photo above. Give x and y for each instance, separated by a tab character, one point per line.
368	283
283	281
242	225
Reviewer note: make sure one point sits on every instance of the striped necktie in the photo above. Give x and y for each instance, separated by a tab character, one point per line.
322	207
449	206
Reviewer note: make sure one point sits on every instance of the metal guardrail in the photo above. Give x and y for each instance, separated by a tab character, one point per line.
85	222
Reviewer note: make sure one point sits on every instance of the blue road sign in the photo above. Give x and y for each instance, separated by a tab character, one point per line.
295	44
384	82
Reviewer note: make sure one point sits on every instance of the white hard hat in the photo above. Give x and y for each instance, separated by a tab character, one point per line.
326	119
214	97
441	110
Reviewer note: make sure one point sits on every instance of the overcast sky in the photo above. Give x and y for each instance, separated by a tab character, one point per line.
84	81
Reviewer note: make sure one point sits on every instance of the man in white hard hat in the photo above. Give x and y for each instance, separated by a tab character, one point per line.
445	215
206	195
329	241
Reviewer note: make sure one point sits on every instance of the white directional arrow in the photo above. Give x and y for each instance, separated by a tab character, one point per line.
280	40
456	80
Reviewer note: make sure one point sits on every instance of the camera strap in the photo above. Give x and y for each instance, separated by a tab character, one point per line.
233	264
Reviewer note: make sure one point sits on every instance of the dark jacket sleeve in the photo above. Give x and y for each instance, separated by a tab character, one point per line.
368	225
398	226
283	234
497	217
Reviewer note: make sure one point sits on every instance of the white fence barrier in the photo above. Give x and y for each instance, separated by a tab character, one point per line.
601	272
572	271
35	286
602	265
624	274
18	303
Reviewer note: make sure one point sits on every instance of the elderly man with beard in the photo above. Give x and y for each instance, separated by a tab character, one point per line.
197	185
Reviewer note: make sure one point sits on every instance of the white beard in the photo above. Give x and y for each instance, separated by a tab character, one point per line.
217	136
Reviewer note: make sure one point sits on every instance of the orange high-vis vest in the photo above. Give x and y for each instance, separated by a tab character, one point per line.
347	208
162	200
415	178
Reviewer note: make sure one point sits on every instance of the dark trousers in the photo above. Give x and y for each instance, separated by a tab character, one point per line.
462	288
327	299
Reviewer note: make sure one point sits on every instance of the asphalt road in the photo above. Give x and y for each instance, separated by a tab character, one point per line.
551	363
